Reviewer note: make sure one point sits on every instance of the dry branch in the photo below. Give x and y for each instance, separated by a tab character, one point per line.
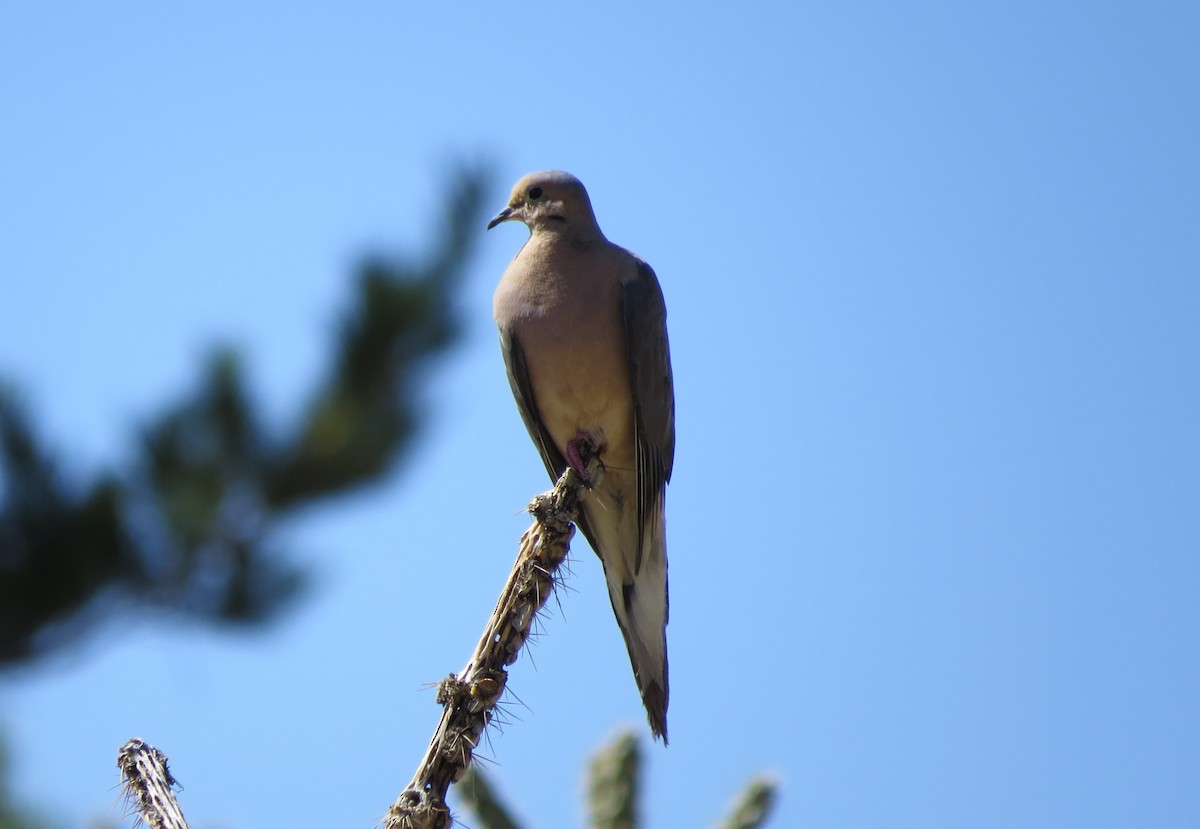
469	697
149	785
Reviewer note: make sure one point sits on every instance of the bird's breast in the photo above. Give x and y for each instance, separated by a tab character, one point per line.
571	332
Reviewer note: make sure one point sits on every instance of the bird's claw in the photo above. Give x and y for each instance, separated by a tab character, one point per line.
581	451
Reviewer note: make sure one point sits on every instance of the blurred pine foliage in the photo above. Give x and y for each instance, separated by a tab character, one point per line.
187	524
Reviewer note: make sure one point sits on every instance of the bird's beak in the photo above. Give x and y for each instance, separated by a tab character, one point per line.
503	216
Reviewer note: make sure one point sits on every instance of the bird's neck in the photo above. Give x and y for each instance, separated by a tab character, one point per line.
576	235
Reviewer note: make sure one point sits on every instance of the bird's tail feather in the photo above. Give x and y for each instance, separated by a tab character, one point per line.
641	609
635	569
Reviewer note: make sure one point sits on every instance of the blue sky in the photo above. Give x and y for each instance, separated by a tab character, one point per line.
934	294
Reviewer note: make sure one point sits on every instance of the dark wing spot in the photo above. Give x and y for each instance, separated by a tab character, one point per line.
627	596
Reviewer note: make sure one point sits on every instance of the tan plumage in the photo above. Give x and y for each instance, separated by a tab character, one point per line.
583	331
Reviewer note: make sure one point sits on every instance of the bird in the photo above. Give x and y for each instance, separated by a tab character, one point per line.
583	333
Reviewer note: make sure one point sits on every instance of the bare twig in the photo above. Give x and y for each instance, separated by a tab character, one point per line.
149	785
469	697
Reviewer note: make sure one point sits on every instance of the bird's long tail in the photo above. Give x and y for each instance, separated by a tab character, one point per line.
641	607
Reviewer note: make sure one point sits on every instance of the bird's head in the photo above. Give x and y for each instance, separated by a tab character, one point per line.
549	200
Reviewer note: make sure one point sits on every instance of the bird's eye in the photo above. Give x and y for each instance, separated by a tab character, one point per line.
535	193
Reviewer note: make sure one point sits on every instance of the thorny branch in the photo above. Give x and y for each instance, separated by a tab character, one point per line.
149	785
469	697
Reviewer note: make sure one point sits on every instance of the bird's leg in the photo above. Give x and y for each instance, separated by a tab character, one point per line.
581	450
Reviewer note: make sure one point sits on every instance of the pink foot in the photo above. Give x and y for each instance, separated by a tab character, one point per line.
580	451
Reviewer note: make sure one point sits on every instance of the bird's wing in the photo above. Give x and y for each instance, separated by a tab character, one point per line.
522	388
645	318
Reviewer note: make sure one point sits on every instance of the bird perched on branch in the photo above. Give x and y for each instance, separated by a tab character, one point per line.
583	331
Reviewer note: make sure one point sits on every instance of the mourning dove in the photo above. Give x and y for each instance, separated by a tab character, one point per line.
583	331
